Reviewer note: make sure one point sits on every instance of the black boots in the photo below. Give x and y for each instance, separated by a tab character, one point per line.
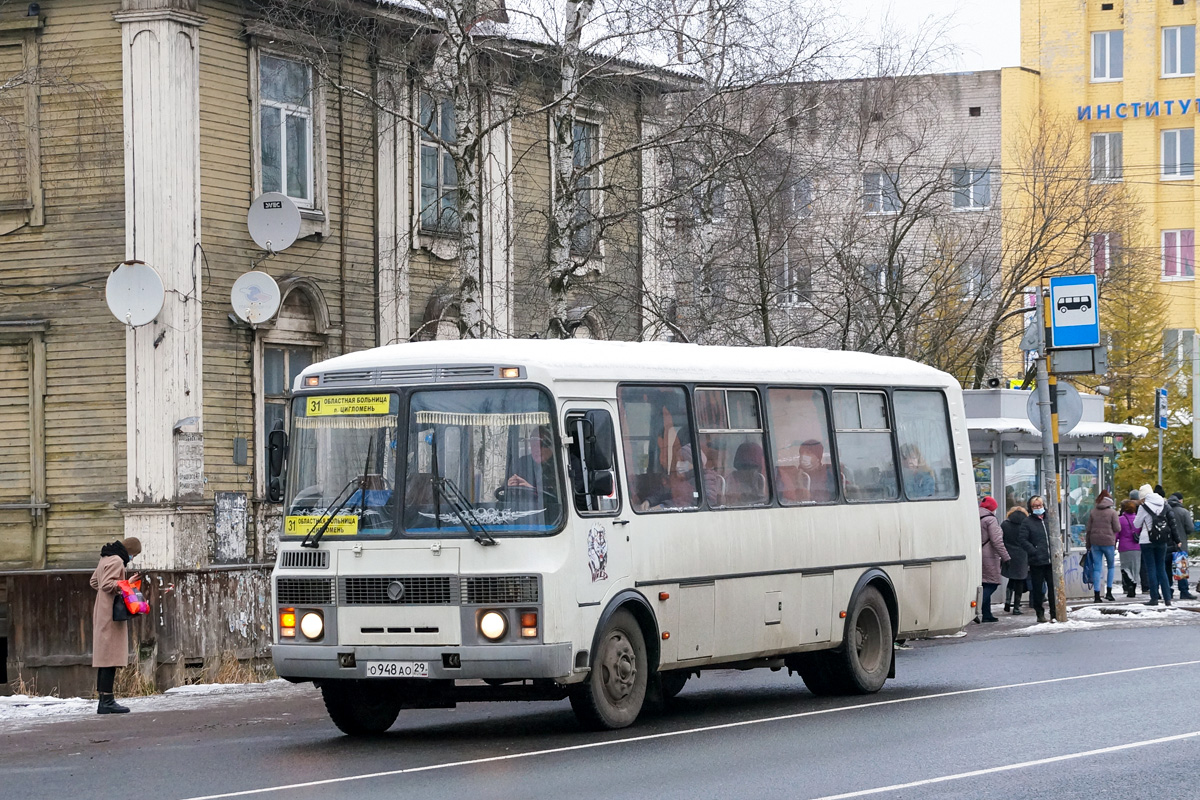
1096	595
1041	615
110	706
1108	595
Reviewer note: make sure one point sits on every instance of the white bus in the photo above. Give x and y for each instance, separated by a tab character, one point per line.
595	520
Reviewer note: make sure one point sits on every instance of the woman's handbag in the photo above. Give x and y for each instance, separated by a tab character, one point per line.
1085	566
1179	566
129	601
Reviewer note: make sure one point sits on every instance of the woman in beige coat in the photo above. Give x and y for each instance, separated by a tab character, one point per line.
110	639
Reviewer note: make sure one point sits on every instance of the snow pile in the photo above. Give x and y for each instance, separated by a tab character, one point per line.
1112	616
23	706
225	688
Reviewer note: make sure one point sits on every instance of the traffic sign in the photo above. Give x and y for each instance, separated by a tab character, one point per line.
1160	408
1080	361
1070	408
1075	316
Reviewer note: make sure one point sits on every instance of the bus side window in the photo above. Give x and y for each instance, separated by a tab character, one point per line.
659	448
926	457
586	500
864	441
731	448
803	457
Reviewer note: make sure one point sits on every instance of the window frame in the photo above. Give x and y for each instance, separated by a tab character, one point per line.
889	412
272	338
419	144
702	504
595	178
761	430
974	176
1109	243
314	216
1179	162
577	410
1176	32
1178	232
1108	36
881	192
827	393
949	439
1109	174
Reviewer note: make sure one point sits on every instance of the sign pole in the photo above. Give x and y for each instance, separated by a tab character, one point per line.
1048	405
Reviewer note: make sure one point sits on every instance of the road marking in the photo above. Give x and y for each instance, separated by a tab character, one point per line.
705	729
1008	767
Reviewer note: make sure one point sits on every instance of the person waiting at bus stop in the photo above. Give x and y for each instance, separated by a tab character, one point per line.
1039	560
994	552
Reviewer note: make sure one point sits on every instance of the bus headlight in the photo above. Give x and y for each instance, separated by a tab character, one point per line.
493	626
311	625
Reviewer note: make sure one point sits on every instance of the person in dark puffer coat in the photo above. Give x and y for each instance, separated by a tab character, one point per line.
1016	569
1039	559
993	553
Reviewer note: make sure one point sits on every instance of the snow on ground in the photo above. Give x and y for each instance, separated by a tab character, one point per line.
21	709
1095	617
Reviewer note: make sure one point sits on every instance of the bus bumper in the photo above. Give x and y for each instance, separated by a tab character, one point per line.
306	662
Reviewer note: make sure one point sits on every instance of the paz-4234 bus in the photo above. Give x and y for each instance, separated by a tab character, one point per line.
600	521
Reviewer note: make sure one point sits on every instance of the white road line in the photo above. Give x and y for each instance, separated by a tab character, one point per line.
1008	767
706	729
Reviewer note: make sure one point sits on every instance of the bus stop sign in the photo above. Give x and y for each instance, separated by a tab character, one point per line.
1074	317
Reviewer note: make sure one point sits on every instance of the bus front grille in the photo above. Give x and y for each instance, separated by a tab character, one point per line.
413	590
304	591
500	590
304	559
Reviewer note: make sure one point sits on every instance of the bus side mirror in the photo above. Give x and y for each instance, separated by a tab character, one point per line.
598	442
277	445
600	484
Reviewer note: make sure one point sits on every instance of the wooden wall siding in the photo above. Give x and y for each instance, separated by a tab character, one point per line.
14	164
16	469
57	272
344	258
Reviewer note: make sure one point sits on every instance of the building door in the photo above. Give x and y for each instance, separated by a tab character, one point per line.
22	481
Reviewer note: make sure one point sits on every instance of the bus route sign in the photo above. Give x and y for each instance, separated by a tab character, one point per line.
348	404
1074	315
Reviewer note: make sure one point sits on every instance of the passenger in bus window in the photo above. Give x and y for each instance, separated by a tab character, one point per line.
918	477
816	472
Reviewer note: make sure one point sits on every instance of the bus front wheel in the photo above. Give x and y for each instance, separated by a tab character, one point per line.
867	649
359	711
615	689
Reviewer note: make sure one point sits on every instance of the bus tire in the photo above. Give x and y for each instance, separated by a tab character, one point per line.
615	689
359	711
672	682
822	674
867	650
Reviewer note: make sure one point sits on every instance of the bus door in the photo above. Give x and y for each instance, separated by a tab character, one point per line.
601	548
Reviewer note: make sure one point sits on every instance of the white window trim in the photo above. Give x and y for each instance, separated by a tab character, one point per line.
1177	30
1120	167
429	239
1162	257
1162	150
313	220
971	190
1108	251
881	194
1108	56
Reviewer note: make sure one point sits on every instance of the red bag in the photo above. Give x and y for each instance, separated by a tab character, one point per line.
131	594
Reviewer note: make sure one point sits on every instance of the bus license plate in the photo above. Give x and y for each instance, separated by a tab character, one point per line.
397	669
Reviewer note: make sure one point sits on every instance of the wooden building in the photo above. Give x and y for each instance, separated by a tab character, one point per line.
141	130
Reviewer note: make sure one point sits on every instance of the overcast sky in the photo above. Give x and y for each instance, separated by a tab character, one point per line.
986	32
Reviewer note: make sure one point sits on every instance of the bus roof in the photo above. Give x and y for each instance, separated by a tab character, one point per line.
589	360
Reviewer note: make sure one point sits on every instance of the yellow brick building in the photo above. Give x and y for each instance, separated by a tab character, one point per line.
1124	71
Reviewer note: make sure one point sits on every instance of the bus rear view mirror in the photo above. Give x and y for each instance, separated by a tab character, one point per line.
277	445
598	441
600	484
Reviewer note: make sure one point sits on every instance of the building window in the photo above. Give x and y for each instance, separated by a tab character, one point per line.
281	365
1108	57
285	98
1178	255
1178	154
800	197
1104	248
972	189
1179	51
1178	344
439	178
585	139
1106	157
880	194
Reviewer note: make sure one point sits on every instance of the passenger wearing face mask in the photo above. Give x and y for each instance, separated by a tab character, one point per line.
821	487
1034	527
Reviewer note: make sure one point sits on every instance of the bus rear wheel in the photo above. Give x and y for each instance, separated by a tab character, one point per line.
360	710
615	689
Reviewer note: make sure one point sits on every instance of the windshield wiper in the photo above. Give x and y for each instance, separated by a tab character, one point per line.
313	537
458	502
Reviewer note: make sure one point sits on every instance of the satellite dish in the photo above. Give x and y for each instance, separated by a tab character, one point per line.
134	292
273	221
255	297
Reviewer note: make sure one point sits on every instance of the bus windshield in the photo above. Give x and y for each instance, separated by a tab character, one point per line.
481	460
342	465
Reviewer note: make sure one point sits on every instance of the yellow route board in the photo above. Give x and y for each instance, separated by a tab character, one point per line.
341	525
348	404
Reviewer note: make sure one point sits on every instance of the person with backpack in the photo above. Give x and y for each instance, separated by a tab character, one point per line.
1016	569
1157	525
1034	527
992	545
1129	549
1184	527
1103	525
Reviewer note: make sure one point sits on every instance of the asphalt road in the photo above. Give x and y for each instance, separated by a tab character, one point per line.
1087	714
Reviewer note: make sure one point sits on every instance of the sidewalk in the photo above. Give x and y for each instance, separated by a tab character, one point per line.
1124	612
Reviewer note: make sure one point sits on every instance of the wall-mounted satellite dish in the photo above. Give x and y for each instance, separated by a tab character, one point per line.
134	292
255	297
274	221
